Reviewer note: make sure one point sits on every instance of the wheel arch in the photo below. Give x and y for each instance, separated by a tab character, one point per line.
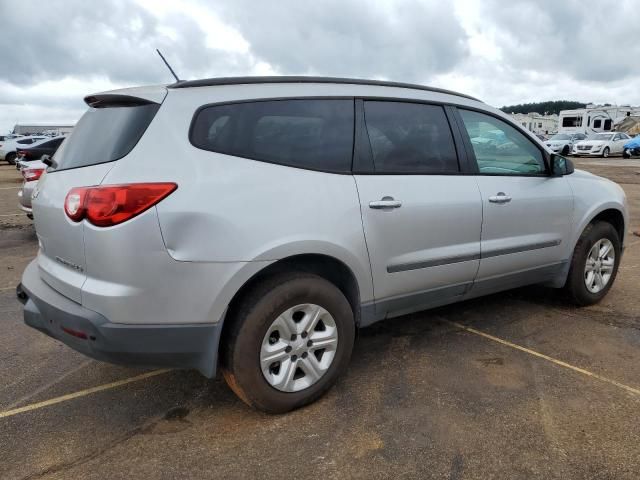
613	216
612	213
330	268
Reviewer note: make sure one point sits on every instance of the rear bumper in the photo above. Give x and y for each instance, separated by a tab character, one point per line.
180	346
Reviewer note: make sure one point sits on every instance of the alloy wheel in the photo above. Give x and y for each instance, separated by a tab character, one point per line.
599	265
299	347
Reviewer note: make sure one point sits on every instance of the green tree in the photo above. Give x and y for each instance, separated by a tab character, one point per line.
549	107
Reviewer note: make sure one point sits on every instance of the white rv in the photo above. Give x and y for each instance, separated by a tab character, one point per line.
594	118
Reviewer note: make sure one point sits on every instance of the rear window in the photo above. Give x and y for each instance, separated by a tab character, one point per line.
312	134
104	135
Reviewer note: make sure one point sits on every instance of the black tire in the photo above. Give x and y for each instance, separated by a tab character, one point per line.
605	152
625	154
575	287
249	323
565	151
11	158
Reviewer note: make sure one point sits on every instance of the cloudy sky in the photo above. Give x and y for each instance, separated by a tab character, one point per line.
53	53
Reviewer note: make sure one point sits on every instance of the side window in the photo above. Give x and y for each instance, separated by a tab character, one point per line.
314	134
499	148
607	124
410	138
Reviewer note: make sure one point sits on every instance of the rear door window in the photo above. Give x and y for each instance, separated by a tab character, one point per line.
410	138
312	134
105	134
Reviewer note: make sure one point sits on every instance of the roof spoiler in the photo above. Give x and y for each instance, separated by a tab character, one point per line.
128	97
114	100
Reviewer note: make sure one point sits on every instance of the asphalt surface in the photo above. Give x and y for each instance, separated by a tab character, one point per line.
422	398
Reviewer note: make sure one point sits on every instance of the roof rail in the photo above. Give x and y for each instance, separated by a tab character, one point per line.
209	82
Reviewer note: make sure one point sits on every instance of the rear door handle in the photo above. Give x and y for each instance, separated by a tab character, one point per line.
384	203
501	197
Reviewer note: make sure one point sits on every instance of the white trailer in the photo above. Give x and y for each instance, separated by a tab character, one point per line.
594	118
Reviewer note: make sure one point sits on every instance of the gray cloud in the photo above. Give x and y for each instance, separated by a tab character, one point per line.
53	53
116	40
588	41
406	40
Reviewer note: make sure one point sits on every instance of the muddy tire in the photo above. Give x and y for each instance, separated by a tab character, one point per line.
289	339
594	264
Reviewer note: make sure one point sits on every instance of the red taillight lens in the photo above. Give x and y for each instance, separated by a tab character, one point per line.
31	174
23	153
108	205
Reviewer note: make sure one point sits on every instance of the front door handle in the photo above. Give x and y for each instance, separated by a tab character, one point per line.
501	197
384	203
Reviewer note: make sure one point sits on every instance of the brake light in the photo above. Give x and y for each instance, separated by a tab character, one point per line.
31	174
108	205
23	153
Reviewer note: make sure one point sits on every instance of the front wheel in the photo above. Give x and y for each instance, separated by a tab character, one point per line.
594	264
11	158
289	340
605	152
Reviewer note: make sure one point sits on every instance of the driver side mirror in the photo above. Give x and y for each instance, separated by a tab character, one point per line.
560	165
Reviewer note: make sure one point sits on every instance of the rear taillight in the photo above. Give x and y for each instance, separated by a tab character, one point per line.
108	205
23	153
31	174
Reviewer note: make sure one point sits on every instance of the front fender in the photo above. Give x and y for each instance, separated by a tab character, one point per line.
592	196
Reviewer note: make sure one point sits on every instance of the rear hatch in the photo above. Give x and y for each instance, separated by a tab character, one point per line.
107	132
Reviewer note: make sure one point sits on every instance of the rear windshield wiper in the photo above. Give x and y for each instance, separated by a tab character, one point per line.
49	162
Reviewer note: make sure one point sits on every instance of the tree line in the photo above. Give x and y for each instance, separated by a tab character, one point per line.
550	107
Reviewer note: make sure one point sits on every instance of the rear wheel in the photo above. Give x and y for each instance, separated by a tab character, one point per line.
605	152
11	158
290	339
594	264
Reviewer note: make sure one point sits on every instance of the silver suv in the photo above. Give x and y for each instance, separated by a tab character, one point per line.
257	223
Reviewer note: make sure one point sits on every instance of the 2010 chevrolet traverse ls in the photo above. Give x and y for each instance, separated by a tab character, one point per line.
256	223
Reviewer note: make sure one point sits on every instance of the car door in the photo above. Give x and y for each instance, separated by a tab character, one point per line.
618	141
526	211
421	217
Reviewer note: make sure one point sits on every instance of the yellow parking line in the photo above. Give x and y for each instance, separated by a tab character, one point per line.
629	389
82	393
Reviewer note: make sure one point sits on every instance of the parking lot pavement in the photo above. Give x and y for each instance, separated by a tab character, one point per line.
533	389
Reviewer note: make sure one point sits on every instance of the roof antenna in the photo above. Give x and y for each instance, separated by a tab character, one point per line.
168	66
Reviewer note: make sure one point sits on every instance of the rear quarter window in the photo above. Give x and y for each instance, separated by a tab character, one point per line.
104	135
312	134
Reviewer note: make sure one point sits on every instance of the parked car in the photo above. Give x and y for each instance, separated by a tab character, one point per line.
601	144
31	175
36	150
9	136
8	148
562	143
304	208
632	148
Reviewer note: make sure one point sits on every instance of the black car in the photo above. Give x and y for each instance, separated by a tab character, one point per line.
36	151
